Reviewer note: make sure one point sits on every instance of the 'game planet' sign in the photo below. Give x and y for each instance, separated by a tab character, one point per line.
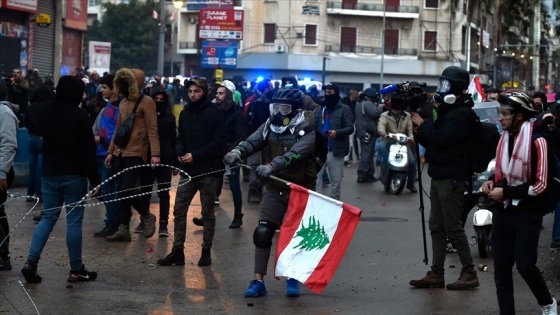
220	24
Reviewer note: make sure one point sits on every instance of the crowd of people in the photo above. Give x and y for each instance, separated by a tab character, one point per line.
205	131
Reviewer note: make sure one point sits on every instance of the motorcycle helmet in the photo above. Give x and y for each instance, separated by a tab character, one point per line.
371	93
518	102
286	103
452	82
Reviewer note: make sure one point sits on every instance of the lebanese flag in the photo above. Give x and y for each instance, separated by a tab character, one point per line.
476	90
155	15
314	237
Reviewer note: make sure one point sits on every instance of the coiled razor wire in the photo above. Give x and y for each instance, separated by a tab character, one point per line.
82	202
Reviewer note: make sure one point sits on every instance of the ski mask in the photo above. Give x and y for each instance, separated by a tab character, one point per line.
160	105
331	99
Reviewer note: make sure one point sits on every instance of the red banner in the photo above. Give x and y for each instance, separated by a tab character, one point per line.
76	14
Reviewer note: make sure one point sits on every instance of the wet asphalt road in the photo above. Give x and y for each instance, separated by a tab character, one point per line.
385	254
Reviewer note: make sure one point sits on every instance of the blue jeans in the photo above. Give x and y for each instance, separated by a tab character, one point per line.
556	225
111	208
59	191
35	166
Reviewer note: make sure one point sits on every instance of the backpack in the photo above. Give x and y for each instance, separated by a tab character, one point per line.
481	147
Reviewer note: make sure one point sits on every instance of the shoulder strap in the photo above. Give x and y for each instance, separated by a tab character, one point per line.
137	103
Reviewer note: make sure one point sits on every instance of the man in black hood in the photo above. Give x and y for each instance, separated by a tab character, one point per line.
336	121
200	147
68	162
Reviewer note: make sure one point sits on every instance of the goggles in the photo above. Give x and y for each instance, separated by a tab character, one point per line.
283	109
444	86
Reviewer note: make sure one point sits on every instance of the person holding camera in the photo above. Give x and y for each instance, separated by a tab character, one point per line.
521	181
367	113
396	120
445	141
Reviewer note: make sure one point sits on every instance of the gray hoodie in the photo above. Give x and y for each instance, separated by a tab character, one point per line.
367	116
8	136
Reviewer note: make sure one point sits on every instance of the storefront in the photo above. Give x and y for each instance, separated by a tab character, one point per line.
42	38
15	18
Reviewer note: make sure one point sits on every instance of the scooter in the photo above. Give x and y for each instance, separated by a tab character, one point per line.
482	222
394	170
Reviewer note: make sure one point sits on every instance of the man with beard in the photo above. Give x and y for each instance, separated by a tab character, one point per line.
335	120
200	148
236	131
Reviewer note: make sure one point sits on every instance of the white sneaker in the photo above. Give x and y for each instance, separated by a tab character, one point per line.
551	309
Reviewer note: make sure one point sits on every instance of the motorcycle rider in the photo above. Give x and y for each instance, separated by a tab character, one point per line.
290	141
396	120
445	141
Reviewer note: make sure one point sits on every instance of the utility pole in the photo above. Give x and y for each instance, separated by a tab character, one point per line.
382	46
161	37
324	69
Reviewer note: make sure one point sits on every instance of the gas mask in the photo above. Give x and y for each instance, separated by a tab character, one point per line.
282	114
444	92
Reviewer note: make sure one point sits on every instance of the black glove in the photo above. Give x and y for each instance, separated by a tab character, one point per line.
264	171
233	158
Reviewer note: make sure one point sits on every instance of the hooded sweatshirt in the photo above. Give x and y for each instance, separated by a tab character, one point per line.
145	131
8	136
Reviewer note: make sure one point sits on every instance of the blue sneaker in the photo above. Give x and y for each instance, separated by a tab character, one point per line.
256	289
292	287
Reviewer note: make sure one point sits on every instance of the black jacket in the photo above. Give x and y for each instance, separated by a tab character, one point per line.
68	143
258	112
202	133
167	130
236	127
445	140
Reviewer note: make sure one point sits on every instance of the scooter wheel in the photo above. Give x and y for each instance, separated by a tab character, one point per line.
483	242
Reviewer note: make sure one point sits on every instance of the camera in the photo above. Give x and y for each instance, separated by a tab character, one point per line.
408	96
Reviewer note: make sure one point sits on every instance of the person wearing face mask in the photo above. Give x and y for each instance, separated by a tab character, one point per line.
290	142
200	148
167	140
336	121
445	141
236	131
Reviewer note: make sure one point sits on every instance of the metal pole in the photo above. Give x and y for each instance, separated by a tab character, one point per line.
382	46
161	37
324	70
495	69
512	69
468	45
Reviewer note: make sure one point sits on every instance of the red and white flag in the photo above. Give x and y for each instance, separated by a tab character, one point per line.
314	237
476	90
155	15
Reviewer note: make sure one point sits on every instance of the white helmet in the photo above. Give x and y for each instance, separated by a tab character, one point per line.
229	85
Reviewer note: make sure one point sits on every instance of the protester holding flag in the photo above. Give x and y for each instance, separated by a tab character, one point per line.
476	90
291	143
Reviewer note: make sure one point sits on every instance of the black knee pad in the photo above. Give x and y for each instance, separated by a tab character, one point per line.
264	232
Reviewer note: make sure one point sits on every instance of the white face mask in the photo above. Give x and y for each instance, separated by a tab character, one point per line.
106	100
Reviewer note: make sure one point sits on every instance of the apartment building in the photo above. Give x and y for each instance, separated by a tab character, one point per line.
346	41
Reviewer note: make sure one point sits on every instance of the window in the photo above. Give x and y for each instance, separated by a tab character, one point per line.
430	40
93	3
269	33
310	34
348	39
433	4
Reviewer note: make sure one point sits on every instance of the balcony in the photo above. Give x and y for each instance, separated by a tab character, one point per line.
372	10
188	48
371	50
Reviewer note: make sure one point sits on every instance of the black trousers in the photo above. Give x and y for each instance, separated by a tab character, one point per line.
127	185
4	227
514	240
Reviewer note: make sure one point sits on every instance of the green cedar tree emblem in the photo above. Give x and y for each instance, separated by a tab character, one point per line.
314	236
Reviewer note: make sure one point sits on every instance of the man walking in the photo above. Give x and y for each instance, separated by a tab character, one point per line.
200	147
520	181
